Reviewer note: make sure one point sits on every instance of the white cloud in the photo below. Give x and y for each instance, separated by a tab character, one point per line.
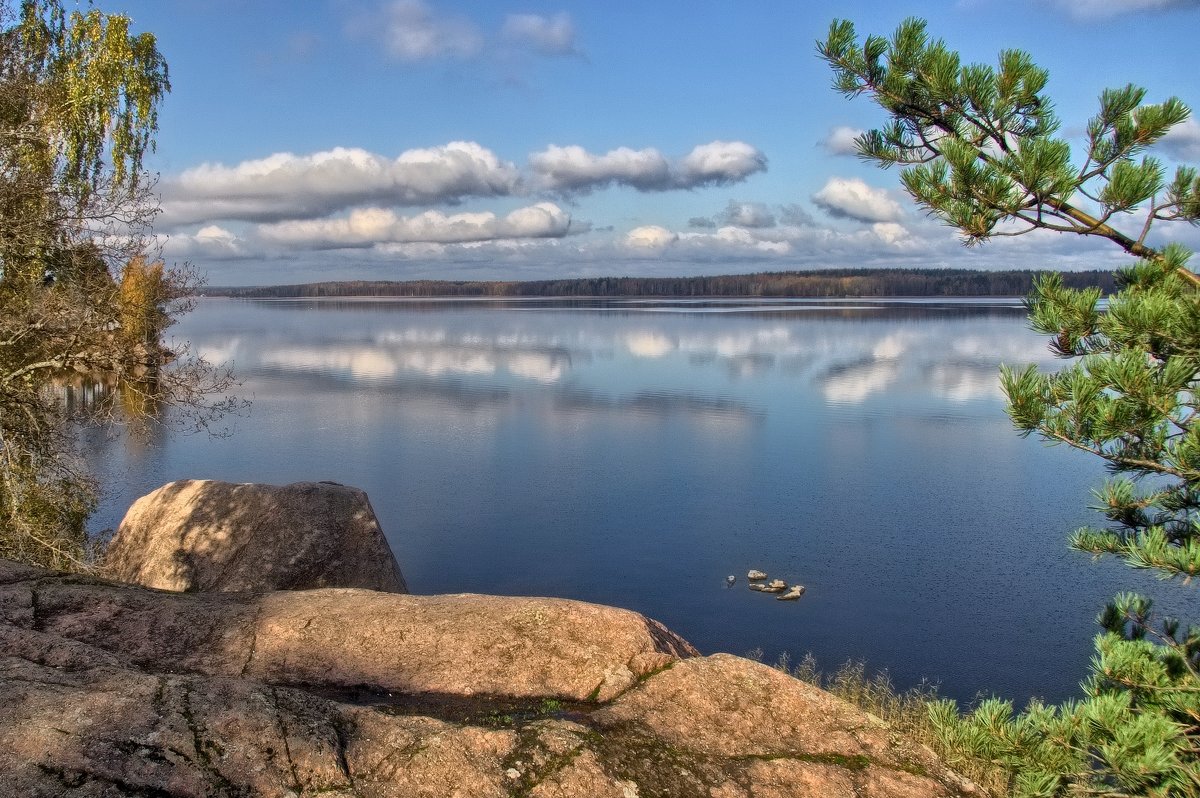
287	186
840	140
892	233
573	168
1183	142
739	238
851	198
210	241
650	237
411	31
719	163
545	35
367	227
1105	9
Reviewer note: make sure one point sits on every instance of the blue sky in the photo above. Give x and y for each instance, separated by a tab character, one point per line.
398	139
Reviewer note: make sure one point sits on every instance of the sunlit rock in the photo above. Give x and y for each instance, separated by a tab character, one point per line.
203	535
111	689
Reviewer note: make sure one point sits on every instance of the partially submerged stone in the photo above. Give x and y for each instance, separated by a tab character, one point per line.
204	535
794	592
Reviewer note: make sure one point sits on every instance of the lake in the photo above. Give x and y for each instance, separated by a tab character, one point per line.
635	452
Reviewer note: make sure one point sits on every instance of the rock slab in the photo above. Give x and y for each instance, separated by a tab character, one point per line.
204	535
115	690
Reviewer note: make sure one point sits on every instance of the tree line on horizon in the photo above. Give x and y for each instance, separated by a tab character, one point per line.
825	283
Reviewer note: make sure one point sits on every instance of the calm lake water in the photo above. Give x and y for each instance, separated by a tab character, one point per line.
635	452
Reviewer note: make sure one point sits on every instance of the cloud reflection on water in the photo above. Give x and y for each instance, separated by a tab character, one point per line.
387	361
846	356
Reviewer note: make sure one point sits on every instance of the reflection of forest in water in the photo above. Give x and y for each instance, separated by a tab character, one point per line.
761	309
104	398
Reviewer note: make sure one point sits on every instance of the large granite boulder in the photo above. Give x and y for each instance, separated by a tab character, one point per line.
115	690
203	535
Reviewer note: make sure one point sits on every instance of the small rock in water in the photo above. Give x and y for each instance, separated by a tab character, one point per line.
757	586
776	586
794	593
755	575
729	580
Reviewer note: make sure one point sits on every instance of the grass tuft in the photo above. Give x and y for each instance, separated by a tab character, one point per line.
906	712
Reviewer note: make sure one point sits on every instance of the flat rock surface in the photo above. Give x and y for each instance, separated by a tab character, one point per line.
457	645
204	535
115	690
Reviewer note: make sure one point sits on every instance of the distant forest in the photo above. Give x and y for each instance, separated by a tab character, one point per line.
826	283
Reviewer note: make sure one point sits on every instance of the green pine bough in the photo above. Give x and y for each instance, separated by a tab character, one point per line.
978	149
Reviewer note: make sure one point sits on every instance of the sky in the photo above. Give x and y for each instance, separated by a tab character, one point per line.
491	139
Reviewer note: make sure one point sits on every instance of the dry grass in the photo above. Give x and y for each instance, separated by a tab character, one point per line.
907	712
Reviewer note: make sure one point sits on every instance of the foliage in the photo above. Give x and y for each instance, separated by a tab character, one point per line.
78	302
978	149
141	298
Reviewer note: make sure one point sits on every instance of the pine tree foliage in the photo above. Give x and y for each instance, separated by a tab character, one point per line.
978	148
79	305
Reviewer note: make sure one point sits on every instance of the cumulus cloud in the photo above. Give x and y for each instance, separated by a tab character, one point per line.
798	245
736	240
575	169
368	227
1183	142
544	35
840	140
287	186
1105	9
720	163
851	198
891	233
209	241
746	214
651	237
